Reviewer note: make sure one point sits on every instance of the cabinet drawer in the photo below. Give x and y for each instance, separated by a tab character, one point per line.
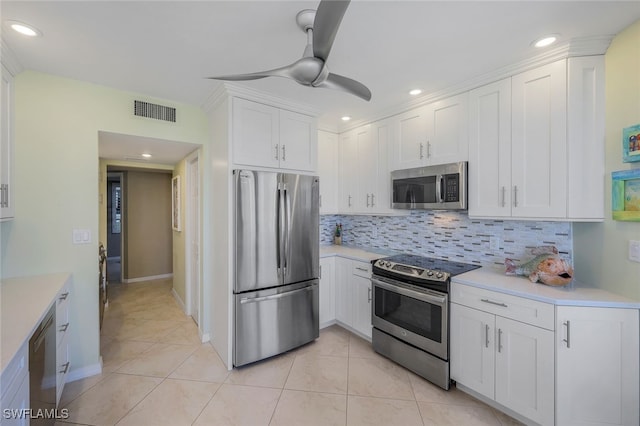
14	372
521	309
361	269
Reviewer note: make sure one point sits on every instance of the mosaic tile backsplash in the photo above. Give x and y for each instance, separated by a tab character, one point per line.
449	235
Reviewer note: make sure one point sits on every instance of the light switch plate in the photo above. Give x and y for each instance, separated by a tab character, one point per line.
634	251
81	236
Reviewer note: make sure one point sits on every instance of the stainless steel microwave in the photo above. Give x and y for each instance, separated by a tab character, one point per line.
441	187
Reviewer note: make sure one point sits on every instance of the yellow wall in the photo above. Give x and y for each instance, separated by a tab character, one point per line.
57	184
601	249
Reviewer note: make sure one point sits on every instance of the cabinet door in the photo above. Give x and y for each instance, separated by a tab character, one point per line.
328	172
597	366
298	141
367	169
344	312
348	172
490	150
410	144
539	142
382	133
472	349
327	291
7	210
448	140
255	134
525	369
361	305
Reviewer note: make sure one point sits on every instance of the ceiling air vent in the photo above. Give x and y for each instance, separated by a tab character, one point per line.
149	110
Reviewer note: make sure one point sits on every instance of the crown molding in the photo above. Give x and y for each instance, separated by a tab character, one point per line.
9	59
226	89
586	46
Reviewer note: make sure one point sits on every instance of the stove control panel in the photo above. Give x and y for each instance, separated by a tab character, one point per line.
412	271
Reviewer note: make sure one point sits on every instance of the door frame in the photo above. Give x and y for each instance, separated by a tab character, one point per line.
193	285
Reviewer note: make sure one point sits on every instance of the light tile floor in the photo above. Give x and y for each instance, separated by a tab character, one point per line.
156	372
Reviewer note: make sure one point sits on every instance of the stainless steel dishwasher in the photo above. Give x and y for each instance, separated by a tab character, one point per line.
42	369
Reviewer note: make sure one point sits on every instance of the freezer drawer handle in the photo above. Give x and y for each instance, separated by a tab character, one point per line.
245	300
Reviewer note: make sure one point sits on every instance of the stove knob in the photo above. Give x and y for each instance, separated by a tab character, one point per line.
439	275
388	264
430	273
381	262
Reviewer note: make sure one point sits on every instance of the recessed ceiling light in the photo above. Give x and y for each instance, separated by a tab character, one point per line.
545	41
24	29
346	118
415	92
145	155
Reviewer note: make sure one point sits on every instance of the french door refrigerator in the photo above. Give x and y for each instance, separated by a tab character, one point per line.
276	263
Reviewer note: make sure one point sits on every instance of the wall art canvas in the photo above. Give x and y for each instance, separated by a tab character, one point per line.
631	144
625	195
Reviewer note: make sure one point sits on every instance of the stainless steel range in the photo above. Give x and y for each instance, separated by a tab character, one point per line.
410	312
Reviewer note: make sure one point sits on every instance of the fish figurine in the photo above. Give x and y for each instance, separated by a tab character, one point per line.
547	267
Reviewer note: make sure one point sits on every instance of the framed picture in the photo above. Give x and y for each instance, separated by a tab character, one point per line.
175	204
625	195
631	144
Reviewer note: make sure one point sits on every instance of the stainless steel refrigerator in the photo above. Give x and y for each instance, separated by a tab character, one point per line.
276	263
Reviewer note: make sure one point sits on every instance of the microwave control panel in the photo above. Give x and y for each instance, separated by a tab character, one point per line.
451	187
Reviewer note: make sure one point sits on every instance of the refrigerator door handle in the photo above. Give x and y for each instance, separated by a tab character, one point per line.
279	232
287	221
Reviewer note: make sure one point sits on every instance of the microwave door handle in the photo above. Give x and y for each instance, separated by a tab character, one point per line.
439	188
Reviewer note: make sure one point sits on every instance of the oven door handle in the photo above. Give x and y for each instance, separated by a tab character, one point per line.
426	297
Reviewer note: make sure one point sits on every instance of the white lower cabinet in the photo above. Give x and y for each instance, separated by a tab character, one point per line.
327	291
14	389
504	359
353	295
597	379
62	339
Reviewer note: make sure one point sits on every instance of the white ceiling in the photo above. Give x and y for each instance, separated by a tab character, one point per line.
115	146
165	49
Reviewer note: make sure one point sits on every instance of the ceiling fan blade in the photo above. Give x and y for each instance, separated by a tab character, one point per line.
326	24
277	72
338	82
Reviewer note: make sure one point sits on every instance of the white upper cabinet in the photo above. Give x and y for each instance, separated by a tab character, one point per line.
539	142
328	171
348	172
7	210
266	136
536	143
432	134
490	150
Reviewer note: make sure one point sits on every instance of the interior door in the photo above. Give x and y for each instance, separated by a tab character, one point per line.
256	223
301	260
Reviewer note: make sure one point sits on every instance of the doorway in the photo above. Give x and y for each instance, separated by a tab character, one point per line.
114	227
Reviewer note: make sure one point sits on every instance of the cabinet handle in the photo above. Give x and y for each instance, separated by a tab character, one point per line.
373	200
277	151
320	200
494	303
504	190
568	339
6	195
2	195
349	200
66	368
64	327
320	274
362	269
421	148
428	149
368	195
64	296
369	294
486	335
284	153
515	196
499	340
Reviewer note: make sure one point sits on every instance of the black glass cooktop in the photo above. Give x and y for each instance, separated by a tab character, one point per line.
449	266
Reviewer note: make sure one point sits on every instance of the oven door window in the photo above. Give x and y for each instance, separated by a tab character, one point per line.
416	316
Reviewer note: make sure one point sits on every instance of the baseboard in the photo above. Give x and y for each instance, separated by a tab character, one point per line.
327	324
205	337
150	278
84	372
179	300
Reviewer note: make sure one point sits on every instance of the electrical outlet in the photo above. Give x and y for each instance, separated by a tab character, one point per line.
634	251
494	243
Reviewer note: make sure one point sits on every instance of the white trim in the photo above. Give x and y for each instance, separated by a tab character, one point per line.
10	60
194	157
149	278
84	372
205	337
179	300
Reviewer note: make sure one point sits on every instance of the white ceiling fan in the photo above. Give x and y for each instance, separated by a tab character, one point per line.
321	27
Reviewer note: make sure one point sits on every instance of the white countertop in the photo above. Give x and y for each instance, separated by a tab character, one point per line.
363	254
573	295
24	303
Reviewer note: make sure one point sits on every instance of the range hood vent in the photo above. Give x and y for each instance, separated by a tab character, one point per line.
149	110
